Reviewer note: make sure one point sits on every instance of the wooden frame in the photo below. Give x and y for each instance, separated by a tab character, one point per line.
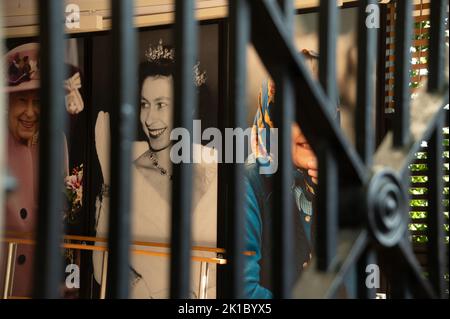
217	9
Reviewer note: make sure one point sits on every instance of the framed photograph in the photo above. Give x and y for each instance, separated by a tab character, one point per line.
152	166
24	117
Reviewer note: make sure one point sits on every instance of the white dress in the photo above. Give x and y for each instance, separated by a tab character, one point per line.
151	223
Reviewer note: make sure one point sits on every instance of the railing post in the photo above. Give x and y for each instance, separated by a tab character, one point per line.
402	94
9	273
104	275
327	199
239	16
185	102
48	257
283	274
364	125
123	126
367	48
204	279
435	215
438	10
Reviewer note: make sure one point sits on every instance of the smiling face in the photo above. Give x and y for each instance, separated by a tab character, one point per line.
156	110
23	115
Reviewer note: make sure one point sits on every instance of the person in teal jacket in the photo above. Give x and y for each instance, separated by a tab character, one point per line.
258	200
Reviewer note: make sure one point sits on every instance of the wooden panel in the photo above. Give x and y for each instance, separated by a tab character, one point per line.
22	19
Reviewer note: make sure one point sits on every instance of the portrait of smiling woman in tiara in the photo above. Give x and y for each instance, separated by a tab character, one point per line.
152	171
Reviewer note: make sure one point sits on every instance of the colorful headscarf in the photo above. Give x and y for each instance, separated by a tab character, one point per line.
262	124
263	121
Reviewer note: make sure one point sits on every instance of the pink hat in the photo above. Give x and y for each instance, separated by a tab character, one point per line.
22	68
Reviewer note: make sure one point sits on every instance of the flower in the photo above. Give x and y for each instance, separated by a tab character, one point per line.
74	192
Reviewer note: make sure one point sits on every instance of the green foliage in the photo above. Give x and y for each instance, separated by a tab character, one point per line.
419	203
419	227
418	167
419	239
421	155
418	214
419	179
418	190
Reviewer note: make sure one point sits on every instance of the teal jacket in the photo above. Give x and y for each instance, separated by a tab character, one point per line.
258	229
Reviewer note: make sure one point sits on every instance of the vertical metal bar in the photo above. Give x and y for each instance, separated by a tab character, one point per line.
104	275
283	231
48	257
123	121
402	94
204	279
239	15
436	64
381	81
327	209
223	190
13	269
364	125
327	199
328	28
7	283
435	217
185	102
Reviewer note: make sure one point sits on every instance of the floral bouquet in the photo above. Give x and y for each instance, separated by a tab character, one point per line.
74	193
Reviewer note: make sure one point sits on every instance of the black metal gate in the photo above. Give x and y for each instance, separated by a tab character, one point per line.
363	196
363	201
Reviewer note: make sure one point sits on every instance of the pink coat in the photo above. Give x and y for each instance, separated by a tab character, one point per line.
21	212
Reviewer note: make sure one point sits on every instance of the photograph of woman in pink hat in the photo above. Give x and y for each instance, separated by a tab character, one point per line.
23	115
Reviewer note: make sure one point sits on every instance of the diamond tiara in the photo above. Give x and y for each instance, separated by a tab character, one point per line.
158	53
154	54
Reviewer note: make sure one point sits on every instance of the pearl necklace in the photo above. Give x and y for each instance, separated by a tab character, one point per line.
155	164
